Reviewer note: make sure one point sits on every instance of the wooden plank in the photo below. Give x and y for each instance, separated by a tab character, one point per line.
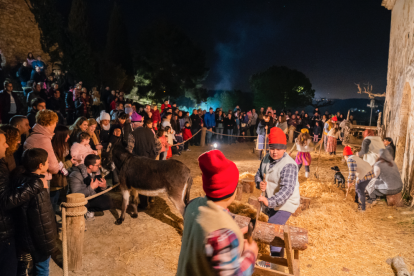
288	248
274	260
239	192
268	272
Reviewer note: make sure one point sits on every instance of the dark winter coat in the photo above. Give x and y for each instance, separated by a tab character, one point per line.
11	198
31	116
25	73
38	77
104	135
229	123
36	230
70	105
317	130
57	105
5	104
144	142
33	95
195	121
80	108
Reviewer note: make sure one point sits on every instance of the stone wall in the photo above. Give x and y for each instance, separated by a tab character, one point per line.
399	103
19	32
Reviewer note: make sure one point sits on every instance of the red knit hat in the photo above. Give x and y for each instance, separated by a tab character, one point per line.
347	151
277	138
334	119
220	175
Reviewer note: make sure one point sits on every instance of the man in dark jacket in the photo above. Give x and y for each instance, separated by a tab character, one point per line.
37	104
24	74
10	104
22	124
57	104
37	92
38	75
109	100
10	198
196	125
70	108
104	96
35	220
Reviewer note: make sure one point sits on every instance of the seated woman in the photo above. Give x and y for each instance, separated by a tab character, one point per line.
387	179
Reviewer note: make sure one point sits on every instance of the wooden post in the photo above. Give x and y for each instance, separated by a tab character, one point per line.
75	228
248	185
239	192
291	134
203	137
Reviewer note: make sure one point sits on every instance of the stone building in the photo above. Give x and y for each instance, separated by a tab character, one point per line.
399	103
19	32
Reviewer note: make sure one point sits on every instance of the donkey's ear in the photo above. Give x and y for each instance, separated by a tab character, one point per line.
109	147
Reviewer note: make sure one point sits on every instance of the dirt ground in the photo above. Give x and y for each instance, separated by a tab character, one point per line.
341	240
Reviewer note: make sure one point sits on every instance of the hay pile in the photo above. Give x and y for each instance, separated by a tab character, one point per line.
246	175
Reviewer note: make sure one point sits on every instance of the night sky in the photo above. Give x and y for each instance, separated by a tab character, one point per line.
335	43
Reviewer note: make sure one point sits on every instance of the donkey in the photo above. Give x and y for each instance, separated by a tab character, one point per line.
142	175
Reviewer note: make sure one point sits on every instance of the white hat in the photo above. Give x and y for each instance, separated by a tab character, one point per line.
104	116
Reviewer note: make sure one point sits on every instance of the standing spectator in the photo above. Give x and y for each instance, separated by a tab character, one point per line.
196	125
316	132
41	137
228	127
253	123
167	120
38	76
94	141
10	103
306	121
389	145
187	135
165	105
13	140
60	80
104	97
22	124
38	104
35	220
37	92
38	63
58	184
10	199
262	130
51	90
117	111
210	123
85	179
327	127
57	104
81	106
96	102
282	124
111	97
164	144
25	73
219	124
30	59
103	129
81	125
146	113
156	117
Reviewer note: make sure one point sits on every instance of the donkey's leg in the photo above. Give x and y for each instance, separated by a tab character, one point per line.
134	204
125	202
177	198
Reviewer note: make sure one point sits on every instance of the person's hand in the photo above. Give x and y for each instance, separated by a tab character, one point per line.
99	147
102	183
357	154
252	247
94	184
263	186
74	162
266	127
264	200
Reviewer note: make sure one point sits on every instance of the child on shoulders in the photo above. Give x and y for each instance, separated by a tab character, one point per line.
82	148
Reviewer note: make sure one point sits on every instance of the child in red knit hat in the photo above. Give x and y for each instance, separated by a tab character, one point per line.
212	241
277	177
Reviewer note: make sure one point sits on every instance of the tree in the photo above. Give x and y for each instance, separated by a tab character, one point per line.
281	87
369	91
118	50
168	62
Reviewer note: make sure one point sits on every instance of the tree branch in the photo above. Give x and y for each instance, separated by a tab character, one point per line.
369	91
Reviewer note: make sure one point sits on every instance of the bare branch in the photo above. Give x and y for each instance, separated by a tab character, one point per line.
369	91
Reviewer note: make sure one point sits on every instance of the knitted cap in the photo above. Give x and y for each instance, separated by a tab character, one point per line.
304	130
277	138
347	151
334	119
135	117
220	175
104	116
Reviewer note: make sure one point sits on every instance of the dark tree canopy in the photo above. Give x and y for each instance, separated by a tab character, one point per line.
118	50
168	62
281	87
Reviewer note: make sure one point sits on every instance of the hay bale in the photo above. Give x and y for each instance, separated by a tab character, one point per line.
248	185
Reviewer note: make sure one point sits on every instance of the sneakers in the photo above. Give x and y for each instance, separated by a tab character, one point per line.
90	216
307	174
187	150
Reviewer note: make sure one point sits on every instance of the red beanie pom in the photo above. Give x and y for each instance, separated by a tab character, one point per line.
347	151
220	175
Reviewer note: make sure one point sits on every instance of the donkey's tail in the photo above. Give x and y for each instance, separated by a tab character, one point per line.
187	192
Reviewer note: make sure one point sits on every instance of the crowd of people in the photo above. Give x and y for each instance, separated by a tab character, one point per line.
56	148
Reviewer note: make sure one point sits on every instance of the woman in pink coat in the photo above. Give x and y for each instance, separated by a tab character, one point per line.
41	137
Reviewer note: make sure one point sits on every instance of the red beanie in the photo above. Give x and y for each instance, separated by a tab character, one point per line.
220	175
277	138
334	119
347	151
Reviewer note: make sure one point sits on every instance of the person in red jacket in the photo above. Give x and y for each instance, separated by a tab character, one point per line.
165	105
156	117
187	135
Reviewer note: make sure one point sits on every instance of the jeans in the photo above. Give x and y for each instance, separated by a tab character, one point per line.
315	138
219	131
24	84
54	198
278	217
196	139
8	259
209	135
229	138
252	131
360	193
42	268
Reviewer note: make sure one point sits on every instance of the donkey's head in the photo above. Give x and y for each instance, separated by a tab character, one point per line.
106	158
114	157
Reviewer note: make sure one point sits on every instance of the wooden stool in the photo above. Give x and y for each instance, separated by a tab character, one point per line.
291	261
